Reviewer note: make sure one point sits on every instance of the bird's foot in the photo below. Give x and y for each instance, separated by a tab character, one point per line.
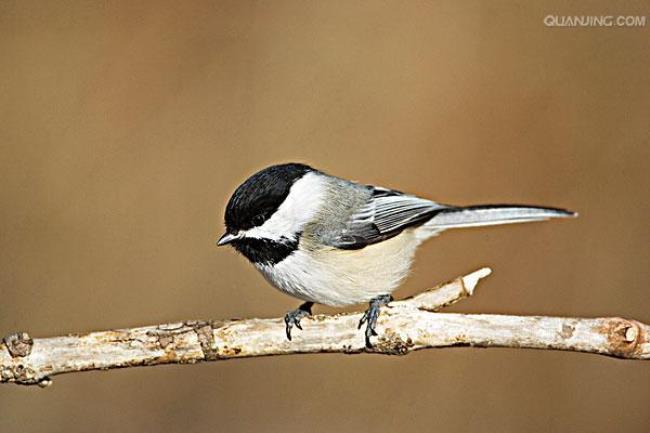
371	315
292	318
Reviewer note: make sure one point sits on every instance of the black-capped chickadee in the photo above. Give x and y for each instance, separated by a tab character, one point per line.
327	240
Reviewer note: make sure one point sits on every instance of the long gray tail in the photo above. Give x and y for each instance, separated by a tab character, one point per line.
492	214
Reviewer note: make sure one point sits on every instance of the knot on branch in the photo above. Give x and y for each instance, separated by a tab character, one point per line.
624	336
19	344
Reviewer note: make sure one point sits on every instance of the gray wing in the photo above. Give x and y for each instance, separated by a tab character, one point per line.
385	214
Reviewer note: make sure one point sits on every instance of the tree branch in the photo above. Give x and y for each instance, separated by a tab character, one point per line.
404	326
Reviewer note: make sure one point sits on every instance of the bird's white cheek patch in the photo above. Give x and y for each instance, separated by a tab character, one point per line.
305	199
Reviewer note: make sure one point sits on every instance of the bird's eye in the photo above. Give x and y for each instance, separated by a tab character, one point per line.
258	220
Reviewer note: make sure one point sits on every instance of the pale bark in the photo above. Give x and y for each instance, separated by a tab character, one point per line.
403	326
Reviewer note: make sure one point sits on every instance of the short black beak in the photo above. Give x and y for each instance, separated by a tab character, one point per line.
227	238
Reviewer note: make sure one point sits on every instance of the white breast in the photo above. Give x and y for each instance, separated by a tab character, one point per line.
343	277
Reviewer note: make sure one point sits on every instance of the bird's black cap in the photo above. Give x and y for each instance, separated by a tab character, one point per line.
255	200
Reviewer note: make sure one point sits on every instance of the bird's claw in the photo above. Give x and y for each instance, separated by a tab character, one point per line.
370	316
363	319
292	318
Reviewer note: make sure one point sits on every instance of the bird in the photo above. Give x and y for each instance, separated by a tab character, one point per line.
327	240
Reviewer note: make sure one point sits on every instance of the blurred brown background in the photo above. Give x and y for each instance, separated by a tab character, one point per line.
125	126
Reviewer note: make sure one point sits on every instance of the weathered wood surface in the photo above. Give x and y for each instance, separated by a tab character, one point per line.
403	326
